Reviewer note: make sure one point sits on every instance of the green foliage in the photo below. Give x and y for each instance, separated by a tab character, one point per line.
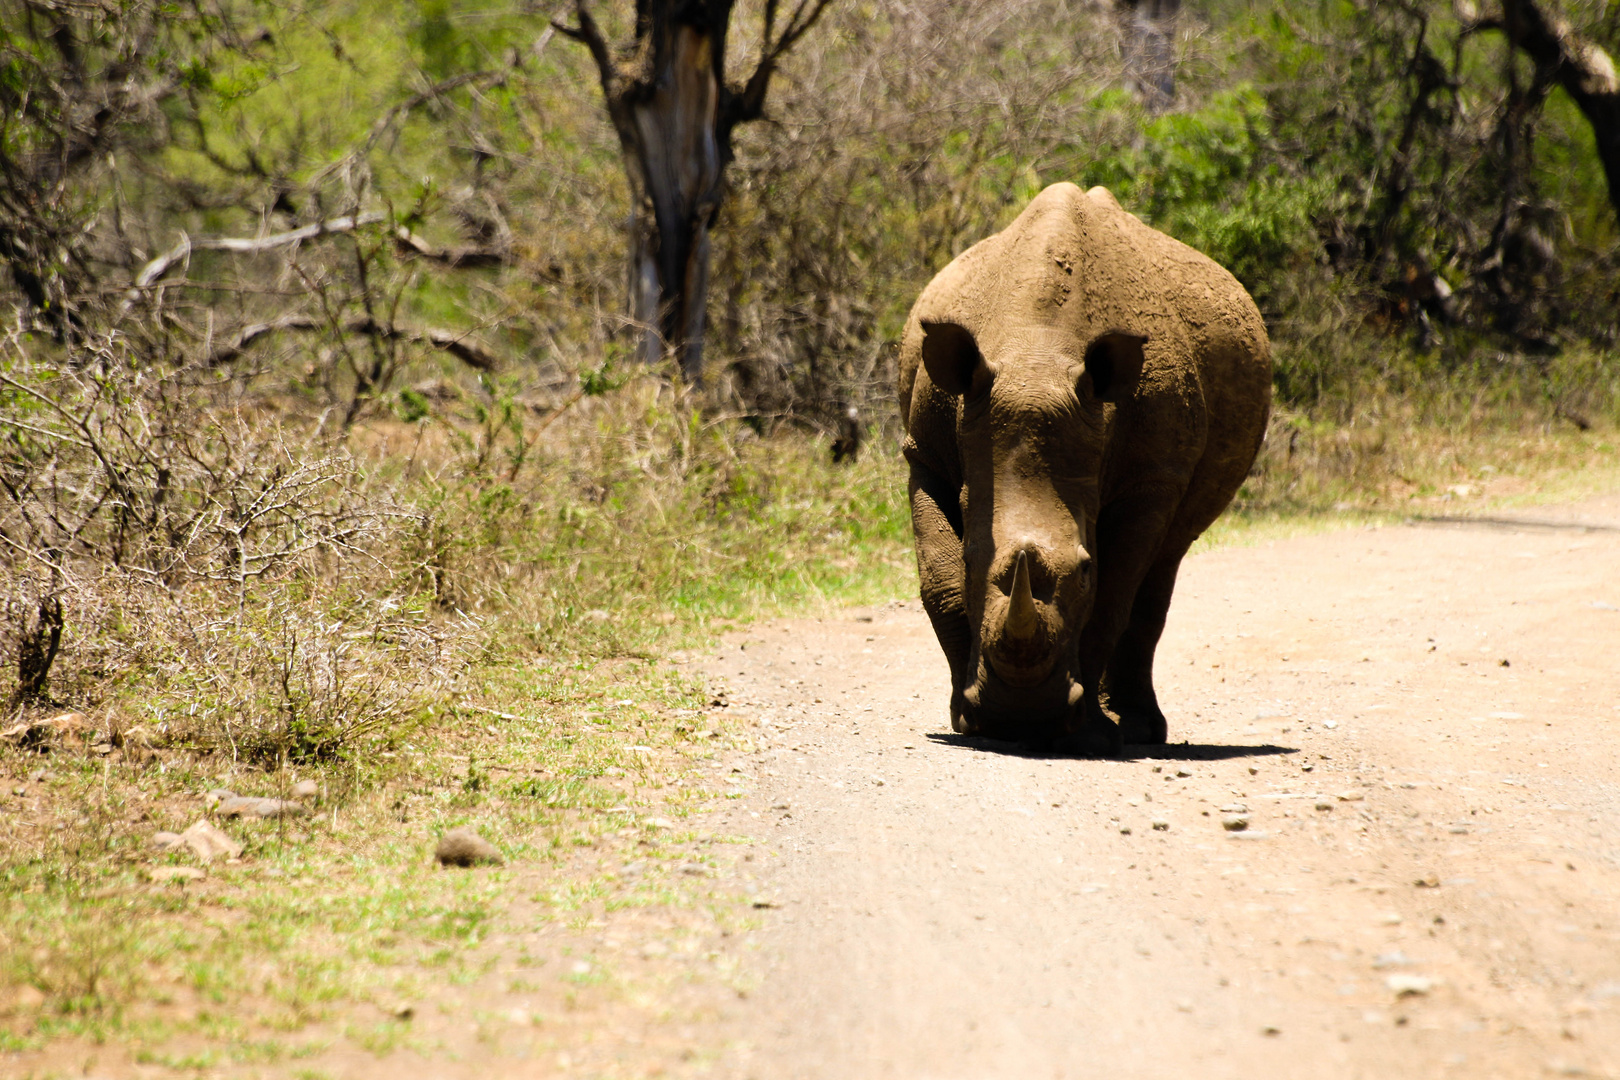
1204	177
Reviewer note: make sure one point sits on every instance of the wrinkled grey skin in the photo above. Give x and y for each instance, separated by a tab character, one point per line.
1082	397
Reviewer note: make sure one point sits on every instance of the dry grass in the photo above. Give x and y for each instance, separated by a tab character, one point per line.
492	653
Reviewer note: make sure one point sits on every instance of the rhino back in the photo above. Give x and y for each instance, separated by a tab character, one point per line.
1080	263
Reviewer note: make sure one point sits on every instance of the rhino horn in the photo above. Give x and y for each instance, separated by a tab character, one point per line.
1021	619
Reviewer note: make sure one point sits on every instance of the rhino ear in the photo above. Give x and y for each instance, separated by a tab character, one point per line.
1113	365
952	359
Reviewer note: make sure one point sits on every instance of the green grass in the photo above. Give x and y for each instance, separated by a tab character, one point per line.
629	539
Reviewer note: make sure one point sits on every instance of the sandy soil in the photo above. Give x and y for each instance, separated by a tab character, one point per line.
1414	721
1418	724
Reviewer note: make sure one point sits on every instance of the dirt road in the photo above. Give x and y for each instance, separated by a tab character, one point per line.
1419	725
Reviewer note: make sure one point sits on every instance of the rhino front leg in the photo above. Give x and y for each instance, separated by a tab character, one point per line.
1128	684
943	579
1130	535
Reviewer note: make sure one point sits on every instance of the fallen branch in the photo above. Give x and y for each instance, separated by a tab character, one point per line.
159	266
456	258
459	345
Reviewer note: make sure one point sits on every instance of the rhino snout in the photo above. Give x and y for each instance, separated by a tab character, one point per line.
1026	612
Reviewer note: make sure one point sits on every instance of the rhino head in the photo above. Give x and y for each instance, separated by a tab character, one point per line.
1031	426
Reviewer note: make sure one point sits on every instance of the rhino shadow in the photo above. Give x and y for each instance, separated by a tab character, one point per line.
1064	749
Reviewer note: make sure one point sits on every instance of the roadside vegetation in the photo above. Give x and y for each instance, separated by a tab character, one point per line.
328	455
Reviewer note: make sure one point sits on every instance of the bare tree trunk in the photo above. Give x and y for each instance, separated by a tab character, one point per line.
39	637
1150	50
674	111
1584	70
674	162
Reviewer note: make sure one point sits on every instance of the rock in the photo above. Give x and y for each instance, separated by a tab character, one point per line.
38	776
1409	985
1183	773
1235	822
1351	796
249	806
182	874
658	823
214	796
403	1010
1124	830
208	842
306	789
1430	881
167	841
1161	825
463	847
35	732
1235	808
1323	804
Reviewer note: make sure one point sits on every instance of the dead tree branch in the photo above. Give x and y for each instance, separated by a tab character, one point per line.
457	344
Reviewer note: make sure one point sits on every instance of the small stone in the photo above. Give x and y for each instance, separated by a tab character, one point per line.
1183	773
1323	804
20	790
214	796
1234	822
1271	1030
1124	830
1253	771
1307	767
182	874
1160	825
463	847
658	823
1390	919
403	1010
878	781
1350	796
167	841
1409	985
208	842
38	776
1235	808
305	789
248	806
1429	881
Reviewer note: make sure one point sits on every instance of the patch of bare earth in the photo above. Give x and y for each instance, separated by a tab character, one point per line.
1411	723
1415	725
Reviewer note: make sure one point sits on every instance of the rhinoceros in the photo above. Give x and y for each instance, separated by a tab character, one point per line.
1082	397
